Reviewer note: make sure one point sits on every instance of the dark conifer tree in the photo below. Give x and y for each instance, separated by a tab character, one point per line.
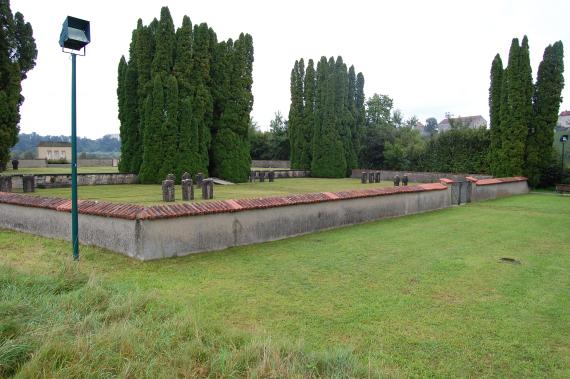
124	163
546	103
329	160
359	100
17	56
495	151
169	130
152	137
309	117
296	114
515	115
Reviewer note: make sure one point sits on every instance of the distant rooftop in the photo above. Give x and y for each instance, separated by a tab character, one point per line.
565	113
53	144
466	120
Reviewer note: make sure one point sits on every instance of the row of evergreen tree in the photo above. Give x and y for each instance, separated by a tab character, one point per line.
185	101
523	114
326	114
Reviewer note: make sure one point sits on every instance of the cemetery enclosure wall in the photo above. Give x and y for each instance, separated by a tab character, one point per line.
417	177
488	189
64	180
164	231
270	164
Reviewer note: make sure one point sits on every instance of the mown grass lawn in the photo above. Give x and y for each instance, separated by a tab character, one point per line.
147	194
422	296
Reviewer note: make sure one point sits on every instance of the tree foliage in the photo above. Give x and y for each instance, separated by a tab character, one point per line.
17	56
523	114
325	117
184	99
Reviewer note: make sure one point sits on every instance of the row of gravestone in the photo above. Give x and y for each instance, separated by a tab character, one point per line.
169	193
261	175
28	183
374	177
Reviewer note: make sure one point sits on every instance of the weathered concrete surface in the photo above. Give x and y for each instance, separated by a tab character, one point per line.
418	177
115	234
64	180
493	191
181	236
270	164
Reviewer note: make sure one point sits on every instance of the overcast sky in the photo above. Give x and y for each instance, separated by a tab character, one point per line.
431	57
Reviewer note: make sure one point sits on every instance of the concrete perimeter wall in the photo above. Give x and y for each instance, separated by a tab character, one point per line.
64	180
270	164
488	189
417	177
36	163
164	231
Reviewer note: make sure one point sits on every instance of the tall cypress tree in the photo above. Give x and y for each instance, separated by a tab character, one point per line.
329	159
296	114
516	109
202	100
351	103
169	130
122	71
308	117
495	151
344	120
359	100
152	137
546	103
234	164
132	118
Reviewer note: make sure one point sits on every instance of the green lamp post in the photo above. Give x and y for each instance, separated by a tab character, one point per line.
75	35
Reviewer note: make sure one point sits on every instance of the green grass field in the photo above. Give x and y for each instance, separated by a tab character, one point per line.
417	296
53	170
152	194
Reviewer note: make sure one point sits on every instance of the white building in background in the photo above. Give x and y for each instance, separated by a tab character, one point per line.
54	150
472	122
564	120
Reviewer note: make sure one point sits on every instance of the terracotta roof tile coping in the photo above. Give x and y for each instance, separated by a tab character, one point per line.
446	181
133	211
486	182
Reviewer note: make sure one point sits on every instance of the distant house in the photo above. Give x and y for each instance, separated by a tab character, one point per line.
472	122
422	128
54	150
563	121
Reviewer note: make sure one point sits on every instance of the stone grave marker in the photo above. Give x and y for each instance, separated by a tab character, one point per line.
396	181
187	189
29	183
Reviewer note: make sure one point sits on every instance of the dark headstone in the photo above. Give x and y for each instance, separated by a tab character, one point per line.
168	190
370	177
186	176
15	164
405	180
364	177
29	183
396	181
207	189
199	178
187	189
261	176
377	178
271	176
5	184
